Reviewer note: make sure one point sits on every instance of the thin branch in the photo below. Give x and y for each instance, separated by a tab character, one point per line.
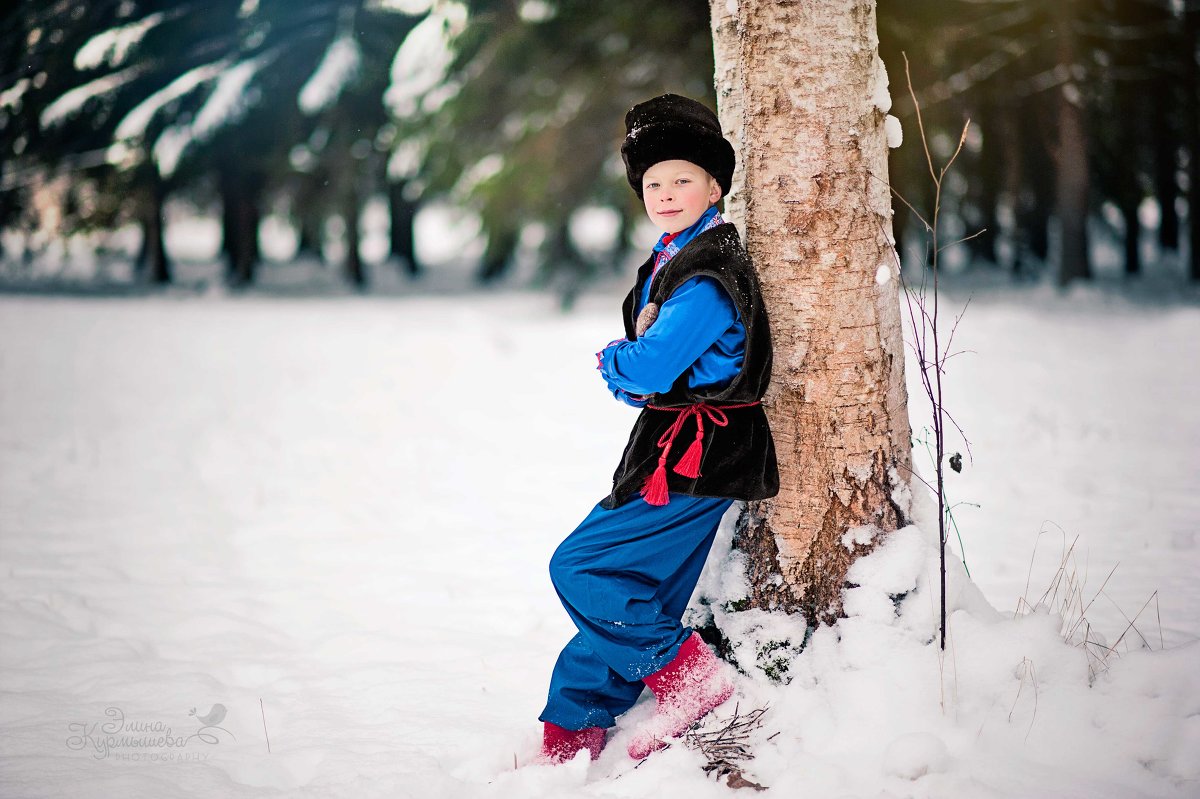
958	352
957	319
920	123
900	197
727	748
919	477
966	441
979	232
962	137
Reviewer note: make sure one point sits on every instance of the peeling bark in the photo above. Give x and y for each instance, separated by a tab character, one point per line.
795	83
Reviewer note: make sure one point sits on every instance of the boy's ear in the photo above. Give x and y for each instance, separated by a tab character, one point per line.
714	190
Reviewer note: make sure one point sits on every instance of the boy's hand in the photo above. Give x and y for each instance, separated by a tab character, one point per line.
636	400
602	354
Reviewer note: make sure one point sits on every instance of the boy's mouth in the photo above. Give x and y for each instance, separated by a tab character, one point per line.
670	213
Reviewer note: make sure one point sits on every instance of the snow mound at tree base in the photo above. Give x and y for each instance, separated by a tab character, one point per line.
873	707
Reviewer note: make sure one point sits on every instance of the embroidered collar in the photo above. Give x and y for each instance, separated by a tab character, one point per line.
669	244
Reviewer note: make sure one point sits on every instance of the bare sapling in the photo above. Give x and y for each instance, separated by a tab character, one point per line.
931	354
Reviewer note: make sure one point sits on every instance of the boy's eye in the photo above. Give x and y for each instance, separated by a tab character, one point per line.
683	180
651	185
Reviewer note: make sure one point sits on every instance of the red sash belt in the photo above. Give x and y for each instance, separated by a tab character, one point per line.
655	489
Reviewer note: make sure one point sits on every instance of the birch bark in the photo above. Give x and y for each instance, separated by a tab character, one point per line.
802	94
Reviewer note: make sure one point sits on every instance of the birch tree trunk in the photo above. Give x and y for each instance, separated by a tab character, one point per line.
802	94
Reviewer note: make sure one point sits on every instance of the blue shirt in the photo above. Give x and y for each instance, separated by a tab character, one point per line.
698	331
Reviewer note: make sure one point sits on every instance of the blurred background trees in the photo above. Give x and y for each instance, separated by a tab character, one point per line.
111	107
1080	112
1085	134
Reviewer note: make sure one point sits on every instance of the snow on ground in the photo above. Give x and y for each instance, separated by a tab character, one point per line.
326	521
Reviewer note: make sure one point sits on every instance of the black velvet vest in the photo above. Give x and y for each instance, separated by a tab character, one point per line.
738	460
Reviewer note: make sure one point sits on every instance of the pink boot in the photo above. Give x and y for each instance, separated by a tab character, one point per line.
687	688
560	744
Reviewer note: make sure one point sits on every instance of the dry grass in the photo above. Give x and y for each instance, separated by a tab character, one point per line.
1027	673
1064	596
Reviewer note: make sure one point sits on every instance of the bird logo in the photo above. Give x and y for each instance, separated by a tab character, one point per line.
212	717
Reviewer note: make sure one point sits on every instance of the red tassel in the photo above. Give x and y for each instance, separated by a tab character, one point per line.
655	489
689	464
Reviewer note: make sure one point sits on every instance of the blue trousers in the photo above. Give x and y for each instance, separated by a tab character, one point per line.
625	577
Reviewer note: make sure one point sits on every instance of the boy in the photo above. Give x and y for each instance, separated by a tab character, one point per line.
696	356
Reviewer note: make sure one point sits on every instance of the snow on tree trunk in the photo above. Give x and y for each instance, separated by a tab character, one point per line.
802	93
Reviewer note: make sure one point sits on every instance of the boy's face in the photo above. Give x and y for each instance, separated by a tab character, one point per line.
677	193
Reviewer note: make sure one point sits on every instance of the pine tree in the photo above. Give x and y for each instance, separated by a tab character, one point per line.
160	97
530	127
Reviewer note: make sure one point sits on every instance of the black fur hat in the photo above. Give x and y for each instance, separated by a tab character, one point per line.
671	127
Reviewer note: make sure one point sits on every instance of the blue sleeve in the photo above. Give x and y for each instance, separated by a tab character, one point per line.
689	322
627	398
